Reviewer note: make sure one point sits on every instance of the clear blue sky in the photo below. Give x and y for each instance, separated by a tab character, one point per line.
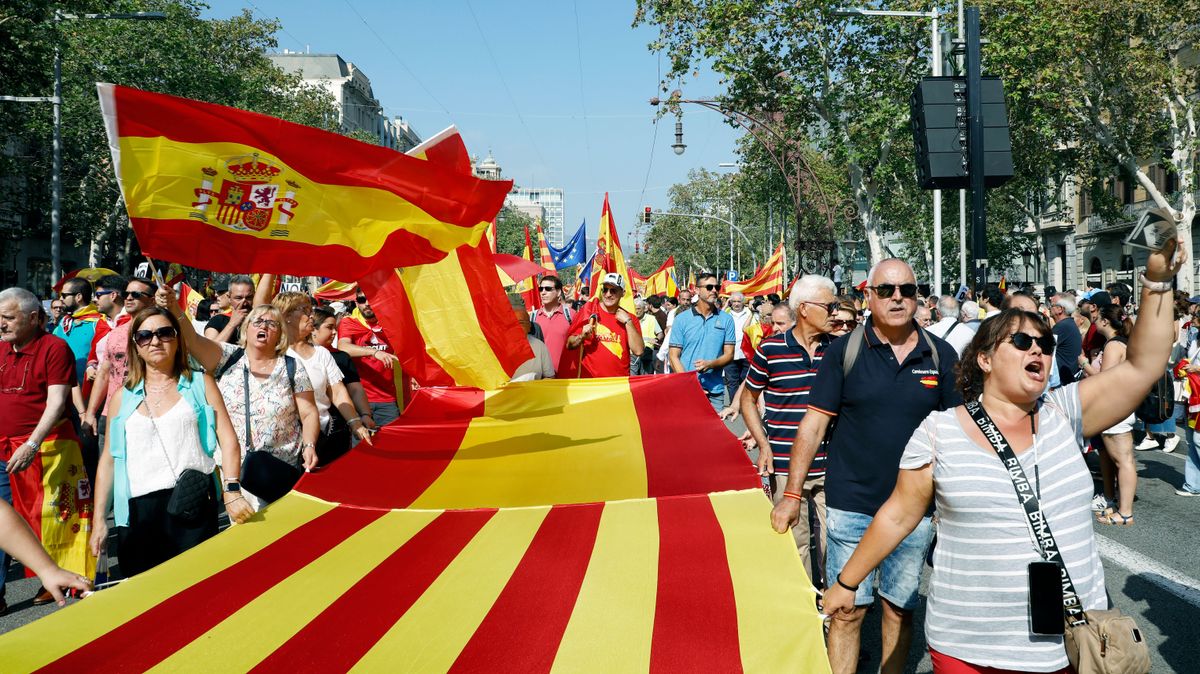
559	107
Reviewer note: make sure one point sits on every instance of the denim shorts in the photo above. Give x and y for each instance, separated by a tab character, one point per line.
899	575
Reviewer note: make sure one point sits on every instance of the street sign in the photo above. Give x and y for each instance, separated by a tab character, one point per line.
732	275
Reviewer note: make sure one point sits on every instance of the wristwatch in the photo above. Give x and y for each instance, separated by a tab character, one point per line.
307	445
32	445
233	486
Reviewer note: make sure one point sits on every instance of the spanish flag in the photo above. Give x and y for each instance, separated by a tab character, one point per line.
336	291
639	282
528	288
512	269
766	280
491	235
610	259
753	335
662	282
54	496
189	299
226	190
497	531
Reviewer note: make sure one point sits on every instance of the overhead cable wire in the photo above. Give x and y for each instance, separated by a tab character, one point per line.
504	83
282	29
399	60
654	139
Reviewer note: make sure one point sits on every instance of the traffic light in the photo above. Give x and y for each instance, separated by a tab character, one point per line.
939	126
646	216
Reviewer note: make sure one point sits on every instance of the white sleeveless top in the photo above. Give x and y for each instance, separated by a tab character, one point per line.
147	456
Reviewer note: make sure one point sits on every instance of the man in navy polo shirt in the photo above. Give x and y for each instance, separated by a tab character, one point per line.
783	370
702	340
891	387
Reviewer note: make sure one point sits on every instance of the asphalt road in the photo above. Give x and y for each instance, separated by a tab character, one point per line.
1151	571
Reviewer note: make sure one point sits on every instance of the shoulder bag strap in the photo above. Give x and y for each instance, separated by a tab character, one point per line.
246	411
937	364
857	337
1040	528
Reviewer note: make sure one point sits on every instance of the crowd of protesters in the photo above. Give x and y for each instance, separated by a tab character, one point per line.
853	406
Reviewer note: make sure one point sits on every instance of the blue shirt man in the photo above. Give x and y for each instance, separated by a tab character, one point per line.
702	340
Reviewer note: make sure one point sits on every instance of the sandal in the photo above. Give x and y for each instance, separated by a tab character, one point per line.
1126	520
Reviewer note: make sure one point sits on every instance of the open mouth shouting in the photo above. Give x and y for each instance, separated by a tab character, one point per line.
1036	370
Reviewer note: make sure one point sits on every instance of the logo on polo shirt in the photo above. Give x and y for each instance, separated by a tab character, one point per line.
929	381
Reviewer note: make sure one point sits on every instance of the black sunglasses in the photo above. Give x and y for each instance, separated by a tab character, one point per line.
547	289
838	323
829	307
907	290
360	300
137	294
164	334
710	287
1024	341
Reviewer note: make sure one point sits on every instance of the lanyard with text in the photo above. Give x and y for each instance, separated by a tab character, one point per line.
1033	509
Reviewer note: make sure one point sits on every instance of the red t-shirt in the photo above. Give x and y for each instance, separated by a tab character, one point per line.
606	353
376	378
25	378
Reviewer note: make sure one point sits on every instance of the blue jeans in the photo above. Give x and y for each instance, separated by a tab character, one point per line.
6	494
1191	465
717	400
735	372
900	573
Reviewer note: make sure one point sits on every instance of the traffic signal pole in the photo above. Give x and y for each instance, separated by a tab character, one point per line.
975	148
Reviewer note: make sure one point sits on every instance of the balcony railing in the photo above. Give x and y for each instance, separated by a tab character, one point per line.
1130	213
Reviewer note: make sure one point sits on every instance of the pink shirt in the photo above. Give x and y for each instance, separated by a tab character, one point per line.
554	330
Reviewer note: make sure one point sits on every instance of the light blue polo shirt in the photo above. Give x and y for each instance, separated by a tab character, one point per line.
701	338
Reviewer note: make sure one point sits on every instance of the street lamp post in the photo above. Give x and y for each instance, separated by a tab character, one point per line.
935	53
804	175
56	167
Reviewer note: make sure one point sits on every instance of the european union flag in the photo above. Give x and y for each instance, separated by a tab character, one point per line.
574	252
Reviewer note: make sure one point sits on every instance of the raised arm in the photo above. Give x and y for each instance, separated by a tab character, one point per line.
204	350
1111	395
263	294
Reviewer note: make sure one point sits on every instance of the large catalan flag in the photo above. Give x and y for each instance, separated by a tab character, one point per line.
609	525
229	190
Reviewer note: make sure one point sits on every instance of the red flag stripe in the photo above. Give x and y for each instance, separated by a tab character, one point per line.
378	478
674	467
695	615
323	157
384	289
176	622
545	584
492	309
225	251
361	616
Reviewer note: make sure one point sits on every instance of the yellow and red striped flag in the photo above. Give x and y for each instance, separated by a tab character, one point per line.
336	291
54	496
188	299
512	269
544	257
662	282
226	190
766	280
609	258
92	274
633	538
692	280
528	288
491	235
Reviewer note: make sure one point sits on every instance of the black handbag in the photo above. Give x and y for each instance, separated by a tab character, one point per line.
263	474
193	489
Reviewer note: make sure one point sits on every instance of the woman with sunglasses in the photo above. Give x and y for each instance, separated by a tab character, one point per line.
978	614
845	319
270	401
1116	456
166	419
328	389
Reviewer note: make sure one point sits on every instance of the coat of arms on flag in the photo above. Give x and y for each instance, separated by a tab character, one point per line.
248	197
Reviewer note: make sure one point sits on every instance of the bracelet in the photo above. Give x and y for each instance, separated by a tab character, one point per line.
1154	286
355	419
792	494
852	588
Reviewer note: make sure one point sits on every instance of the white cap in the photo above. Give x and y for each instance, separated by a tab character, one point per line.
614	279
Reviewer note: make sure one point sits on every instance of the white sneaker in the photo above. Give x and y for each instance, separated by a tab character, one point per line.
1100	504
1147	443
1184	492
1170	444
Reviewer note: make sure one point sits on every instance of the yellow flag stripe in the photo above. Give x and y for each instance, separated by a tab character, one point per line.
160	176
258	628
46	640
431	634
621	580
551	464
792	634
447	322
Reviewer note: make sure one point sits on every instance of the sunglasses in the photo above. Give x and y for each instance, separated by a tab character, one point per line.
1024	341
710	287
828	306
164	334
886	290
547	289
360	300
137	294
838	323
611	290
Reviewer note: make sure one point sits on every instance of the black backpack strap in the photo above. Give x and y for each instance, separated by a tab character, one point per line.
937	362
233	359
289	363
